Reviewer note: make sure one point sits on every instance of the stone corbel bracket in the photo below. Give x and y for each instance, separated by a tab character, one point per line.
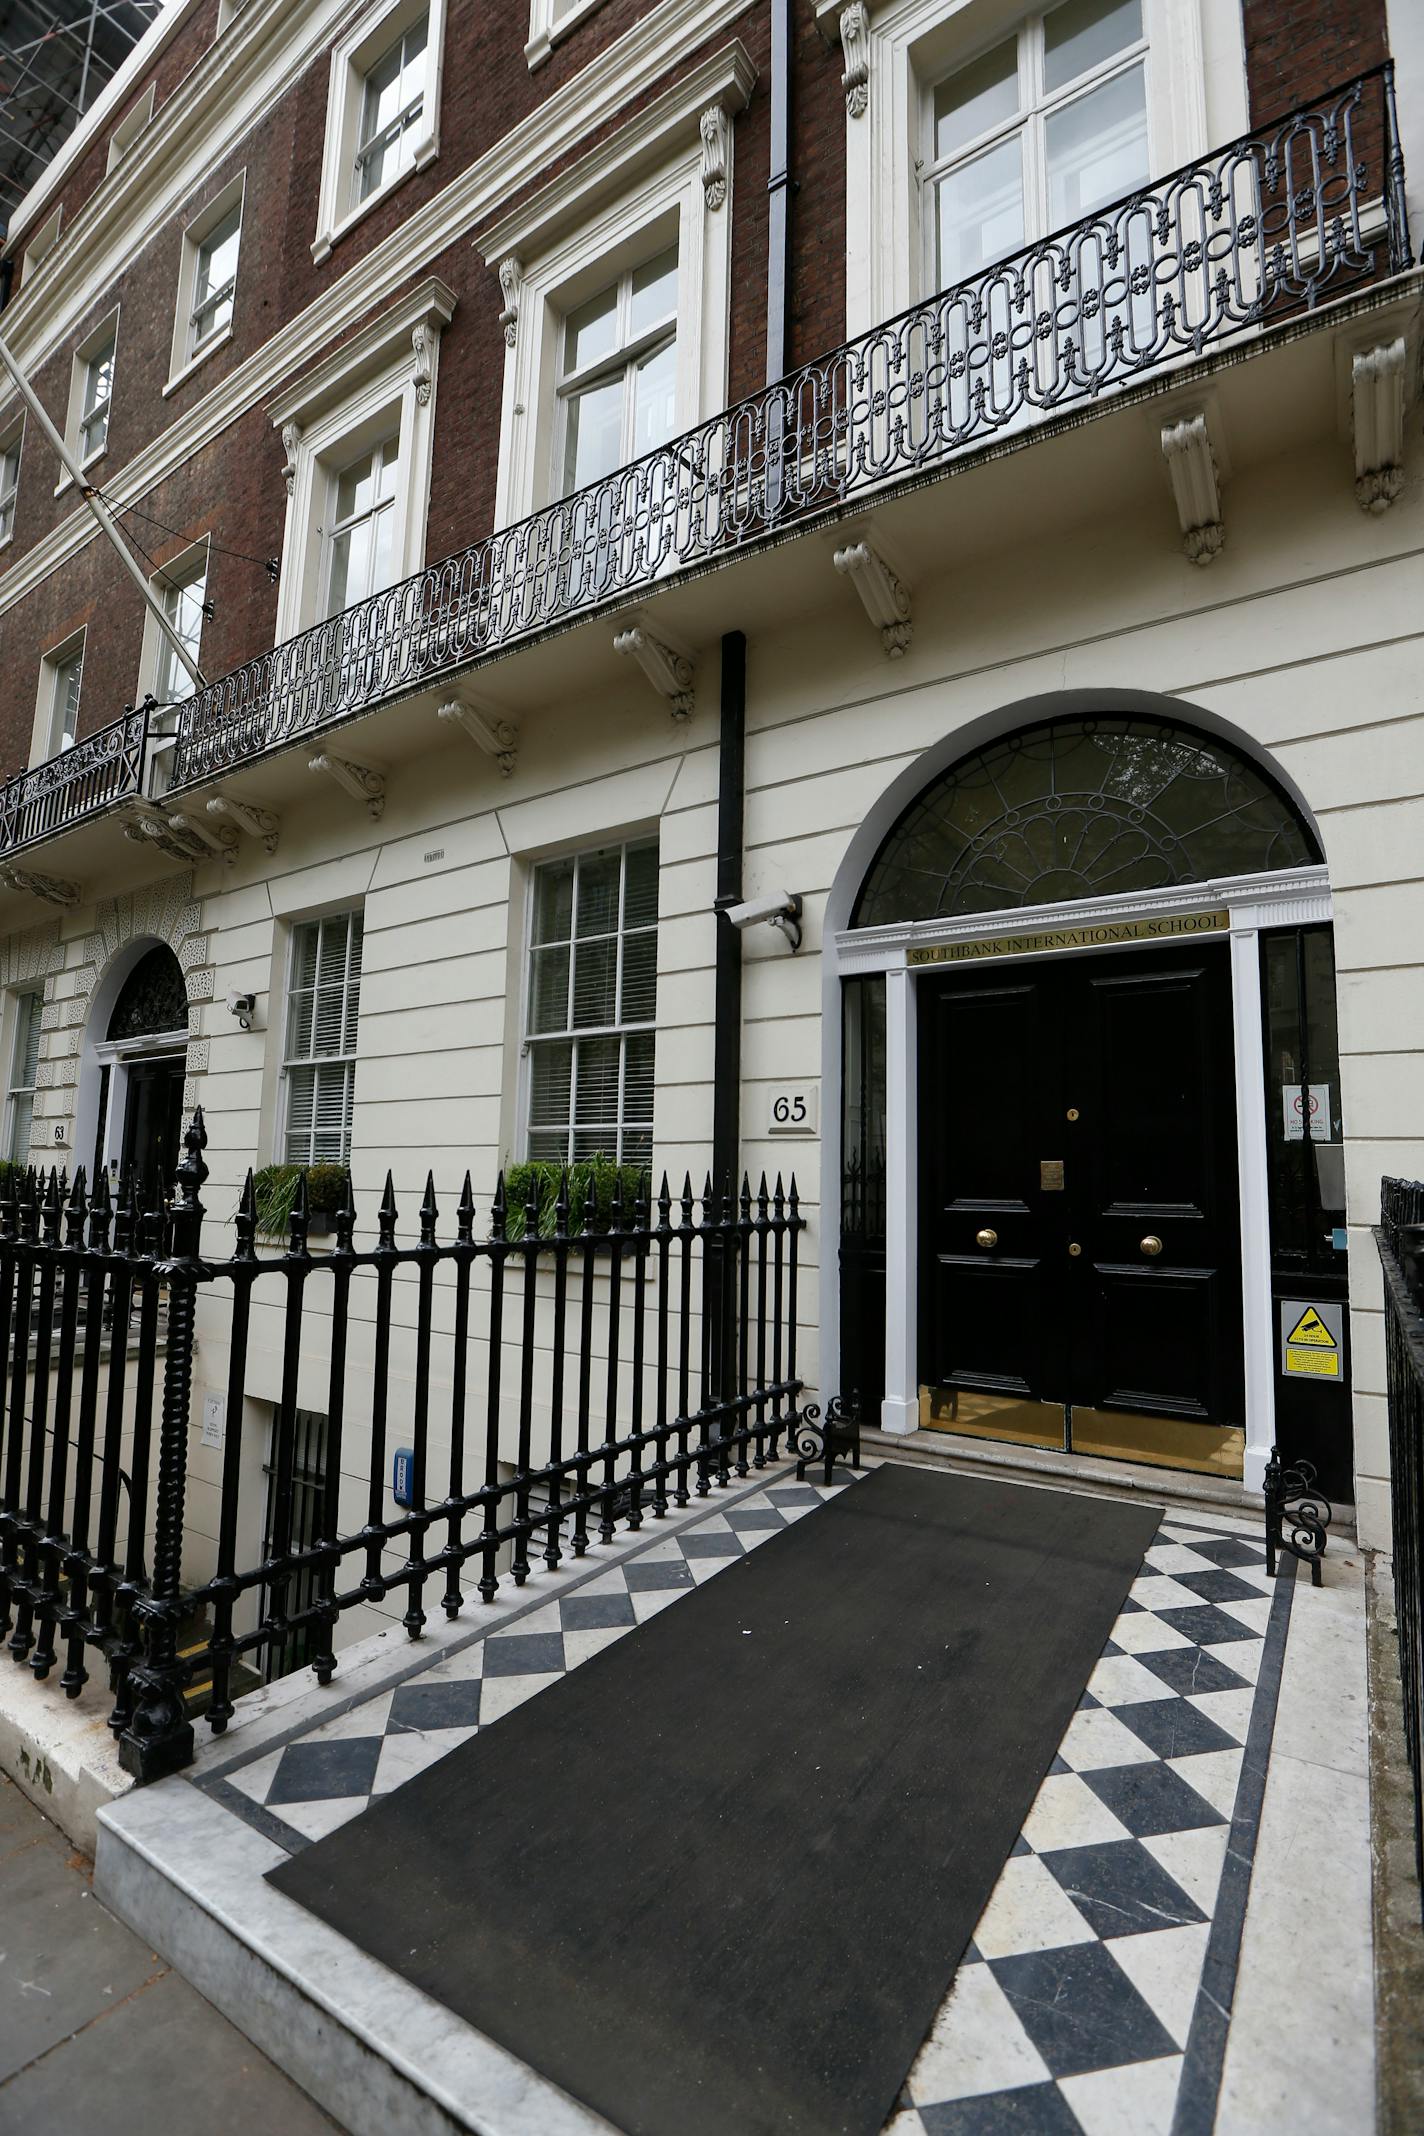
423	345
54	889
667	665
291	440
254	822
146	825
364	782
219	838
511	282
1377	380
849	20
715	128
488	729
885	598
1191	466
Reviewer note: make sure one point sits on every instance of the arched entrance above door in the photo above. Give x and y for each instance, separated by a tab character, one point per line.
967	995
1076	808
135	1054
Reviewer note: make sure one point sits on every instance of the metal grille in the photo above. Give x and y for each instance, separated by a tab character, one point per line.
604	1335
1400	1239
296	1482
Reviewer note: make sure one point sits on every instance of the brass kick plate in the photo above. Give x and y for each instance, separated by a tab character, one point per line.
1050	1175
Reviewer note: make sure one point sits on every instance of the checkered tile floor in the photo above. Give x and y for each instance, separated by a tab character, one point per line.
1072	2007
316	1783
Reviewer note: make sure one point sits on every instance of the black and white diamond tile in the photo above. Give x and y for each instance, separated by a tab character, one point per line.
315	1783
1073	2005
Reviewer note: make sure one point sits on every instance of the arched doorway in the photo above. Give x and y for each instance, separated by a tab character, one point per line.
135	1055
1073	973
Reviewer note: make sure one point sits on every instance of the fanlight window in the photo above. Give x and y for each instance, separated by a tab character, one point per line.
153	998
1081	808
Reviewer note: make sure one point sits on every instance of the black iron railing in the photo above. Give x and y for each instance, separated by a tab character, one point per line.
546	1387
1280	220
103	768
1400	1239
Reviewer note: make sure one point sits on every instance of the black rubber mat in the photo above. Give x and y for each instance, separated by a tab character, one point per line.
717	1881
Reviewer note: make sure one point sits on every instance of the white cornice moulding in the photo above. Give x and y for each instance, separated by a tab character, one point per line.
430	306
1294	896
610	81
725	79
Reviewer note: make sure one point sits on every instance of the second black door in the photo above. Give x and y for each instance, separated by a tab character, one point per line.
1080	1238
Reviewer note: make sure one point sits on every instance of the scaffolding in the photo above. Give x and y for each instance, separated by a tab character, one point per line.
56	58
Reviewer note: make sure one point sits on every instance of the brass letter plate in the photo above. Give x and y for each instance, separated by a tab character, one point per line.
1050	1175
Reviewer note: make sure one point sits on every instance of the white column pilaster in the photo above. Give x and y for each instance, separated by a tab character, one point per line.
1256	1306
900	1410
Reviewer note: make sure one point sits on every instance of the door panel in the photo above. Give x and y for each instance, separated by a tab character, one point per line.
987	1321
1118	1290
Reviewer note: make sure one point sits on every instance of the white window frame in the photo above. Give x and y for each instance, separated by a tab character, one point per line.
622	204
314	1060
622	362
913	44
185	570
381	381
14	1088
547	27
43	242
364	46
12	449
531	1040
89	349
186	354
45	739
131	125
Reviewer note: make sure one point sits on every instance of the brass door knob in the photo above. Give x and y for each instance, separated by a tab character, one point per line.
1074	1249
1151	1245
986	1239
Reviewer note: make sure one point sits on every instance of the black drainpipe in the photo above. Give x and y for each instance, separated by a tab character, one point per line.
780	187
727	990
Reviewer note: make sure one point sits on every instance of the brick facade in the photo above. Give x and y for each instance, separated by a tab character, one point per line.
1299	49
233	489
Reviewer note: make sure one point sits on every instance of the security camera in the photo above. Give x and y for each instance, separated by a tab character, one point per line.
779	908
243	1007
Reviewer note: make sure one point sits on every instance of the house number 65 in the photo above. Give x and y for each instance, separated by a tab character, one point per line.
793	1111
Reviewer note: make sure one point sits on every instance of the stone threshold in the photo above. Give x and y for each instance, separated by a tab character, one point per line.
1078	1472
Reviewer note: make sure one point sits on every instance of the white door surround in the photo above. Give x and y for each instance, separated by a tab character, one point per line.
1289	897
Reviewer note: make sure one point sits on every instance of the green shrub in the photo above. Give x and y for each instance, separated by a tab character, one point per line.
275	1191
591	1188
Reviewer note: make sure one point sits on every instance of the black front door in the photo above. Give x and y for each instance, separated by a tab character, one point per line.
153	1122
1080	1238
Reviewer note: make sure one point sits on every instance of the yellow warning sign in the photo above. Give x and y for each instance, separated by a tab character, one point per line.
1311	1332
1317	1364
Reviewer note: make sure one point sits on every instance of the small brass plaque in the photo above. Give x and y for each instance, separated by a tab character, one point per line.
1050	1175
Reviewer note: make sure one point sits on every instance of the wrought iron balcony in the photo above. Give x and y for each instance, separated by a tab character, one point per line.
1281	221
103	768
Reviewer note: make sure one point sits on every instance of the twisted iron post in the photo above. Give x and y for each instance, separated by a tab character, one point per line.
158	1736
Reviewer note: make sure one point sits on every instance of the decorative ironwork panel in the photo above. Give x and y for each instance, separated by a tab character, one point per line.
1080	808
84	780
153	998
1275	223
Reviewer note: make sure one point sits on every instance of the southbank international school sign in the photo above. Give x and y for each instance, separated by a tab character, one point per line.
1100	936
